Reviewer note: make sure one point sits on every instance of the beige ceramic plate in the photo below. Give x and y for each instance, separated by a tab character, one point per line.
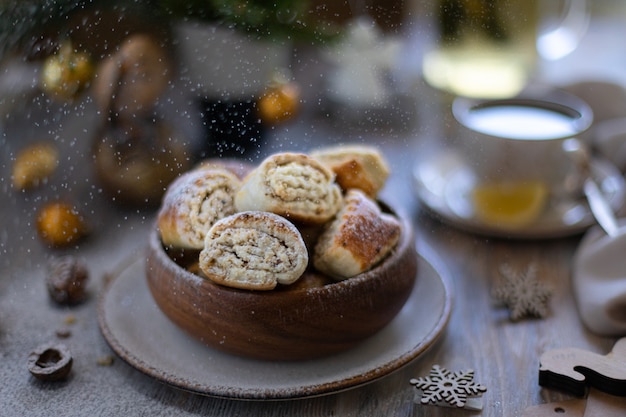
444	182
140	334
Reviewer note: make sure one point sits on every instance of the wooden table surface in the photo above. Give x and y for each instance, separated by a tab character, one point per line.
503	354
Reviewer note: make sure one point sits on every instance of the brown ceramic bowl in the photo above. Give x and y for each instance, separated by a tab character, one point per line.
284	324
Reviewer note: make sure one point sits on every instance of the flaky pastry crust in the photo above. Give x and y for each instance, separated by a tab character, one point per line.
253	250
292	185
193	203
357	239
355	166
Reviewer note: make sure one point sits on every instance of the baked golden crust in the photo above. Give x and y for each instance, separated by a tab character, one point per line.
357	239
253	250
193	203
292	185
355	166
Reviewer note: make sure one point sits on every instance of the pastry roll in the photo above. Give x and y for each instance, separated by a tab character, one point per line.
356	166
193	203
253	250
357	239
292	185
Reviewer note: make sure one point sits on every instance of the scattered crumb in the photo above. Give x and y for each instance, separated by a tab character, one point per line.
63	333
106	360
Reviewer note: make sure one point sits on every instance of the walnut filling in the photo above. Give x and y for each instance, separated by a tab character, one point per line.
253	250
194	203
213	202
301	188
248	254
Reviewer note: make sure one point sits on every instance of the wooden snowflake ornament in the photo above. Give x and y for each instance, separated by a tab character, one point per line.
454	389
522	293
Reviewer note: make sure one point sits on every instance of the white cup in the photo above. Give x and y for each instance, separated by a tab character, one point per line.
533	140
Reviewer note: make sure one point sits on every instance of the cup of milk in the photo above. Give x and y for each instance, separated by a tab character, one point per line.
533	141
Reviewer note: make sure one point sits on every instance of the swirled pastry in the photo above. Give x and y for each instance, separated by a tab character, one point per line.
356	166
193	203
292	185
358	238
253	250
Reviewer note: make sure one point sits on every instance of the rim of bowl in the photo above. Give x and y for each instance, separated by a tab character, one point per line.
404	243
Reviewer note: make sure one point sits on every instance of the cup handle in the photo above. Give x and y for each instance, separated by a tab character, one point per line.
559	42
579	154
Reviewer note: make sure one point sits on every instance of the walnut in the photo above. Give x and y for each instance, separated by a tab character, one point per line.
66	280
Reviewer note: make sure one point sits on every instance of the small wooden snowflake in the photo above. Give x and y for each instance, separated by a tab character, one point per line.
444	386
522	293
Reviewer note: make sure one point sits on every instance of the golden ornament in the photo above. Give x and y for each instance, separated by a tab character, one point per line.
33	165
66	73
280	102
59	224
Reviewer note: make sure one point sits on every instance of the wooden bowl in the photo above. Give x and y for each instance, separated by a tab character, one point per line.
283	324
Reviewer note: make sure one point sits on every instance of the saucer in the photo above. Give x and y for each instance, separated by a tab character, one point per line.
139	333
443	184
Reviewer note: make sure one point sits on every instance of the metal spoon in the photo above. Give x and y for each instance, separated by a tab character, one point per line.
600	207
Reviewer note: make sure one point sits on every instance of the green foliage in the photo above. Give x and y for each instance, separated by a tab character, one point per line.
277	19
19	19
23	21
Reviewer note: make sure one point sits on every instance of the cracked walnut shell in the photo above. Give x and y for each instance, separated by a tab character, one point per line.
50	362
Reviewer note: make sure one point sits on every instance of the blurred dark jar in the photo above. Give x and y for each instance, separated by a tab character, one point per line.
232	128
226	72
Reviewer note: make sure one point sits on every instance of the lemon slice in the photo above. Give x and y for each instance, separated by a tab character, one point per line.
510	204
